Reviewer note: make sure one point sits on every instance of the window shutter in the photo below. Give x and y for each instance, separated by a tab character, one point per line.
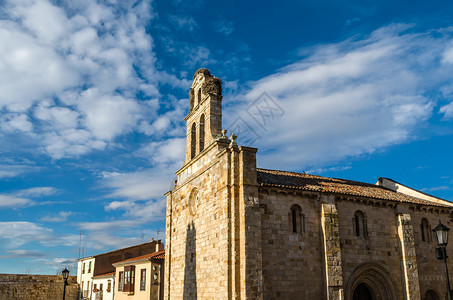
132	279
127	279
121	281
143	280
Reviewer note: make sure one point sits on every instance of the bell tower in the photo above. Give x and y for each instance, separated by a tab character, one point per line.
204	121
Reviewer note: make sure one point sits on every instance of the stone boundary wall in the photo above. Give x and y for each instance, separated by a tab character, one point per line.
37	287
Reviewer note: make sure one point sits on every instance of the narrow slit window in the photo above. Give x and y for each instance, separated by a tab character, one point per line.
360	224
201	133
193	141
425	230
296	219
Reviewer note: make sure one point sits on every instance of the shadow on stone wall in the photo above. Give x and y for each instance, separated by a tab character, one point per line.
190	274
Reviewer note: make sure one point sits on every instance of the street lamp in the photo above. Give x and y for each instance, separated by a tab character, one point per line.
441	235
65	273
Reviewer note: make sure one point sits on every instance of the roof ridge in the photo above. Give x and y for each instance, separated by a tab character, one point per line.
304	181
309	174
148	255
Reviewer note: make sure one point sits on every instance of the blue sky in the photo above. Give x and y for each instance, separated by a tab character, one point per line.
93	96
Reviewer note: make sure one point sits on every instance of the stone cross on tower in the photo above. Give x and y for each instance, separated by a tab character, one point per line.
204	121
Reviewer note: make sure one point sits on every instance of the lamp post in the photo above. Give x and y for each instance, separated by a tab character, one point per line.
65	273
441	234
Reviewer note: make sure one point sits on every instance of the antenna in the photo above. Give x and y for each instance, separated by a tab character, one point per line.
80	241
157	231
142	237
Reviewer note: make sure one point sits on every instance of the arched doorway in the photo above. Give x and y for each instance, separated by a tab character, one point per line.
363	292
431	295
370	282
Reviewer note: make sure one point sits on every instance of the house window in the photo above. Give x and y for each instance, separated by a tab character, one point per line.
142	279
89	267
199	96
83	268
120	281
193	140
201	133
129	276
360	224
297	219
426	231
101	286
95	288
109	286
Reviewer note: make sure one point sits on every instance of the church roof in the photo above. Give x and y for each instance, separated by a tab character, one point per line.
303	181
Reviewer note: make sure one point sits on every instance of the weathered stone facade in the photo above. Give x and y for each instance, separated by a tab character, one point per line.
37	287
237	232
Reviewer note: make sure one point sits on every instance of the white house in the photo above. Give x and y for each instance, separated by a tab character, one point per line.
95	273
104	286
85	269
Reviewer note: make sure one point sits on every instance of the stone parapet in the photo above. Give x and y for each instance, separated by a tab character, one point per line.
37	287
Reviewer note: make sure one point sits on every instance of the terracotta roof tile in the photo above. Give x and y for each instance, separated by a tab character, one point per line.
303	181
105	274
154	255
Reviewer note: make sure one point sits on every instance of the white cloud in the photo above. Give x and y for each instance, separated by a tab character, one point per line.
21	253
37	192
140	185
186	23
72	69
108	226
108	116
15	122
350	98
20	198
331	169
62	216
19	233
11	168
23	61
224	27
170	151
10	201
149	210
447	110
436	188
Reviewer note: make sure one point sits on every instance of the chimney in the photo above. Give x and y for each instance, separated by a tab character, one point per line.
159	246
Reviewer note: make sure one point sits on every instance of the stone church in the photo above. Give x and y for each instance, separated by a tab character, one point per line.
235	231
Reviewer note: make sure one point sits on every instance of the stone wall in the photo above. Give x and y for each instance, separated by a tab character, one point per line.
389	256
197	233
292	262
37	287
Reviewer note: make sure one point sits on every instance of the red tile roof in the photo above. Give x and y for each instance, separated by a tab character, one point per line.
303	181
155	255
104	275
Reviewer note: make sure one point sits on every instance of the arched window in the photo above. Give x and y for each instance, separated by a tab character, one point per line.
360	224
193	140
426	231
297	220
199	97
201	133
